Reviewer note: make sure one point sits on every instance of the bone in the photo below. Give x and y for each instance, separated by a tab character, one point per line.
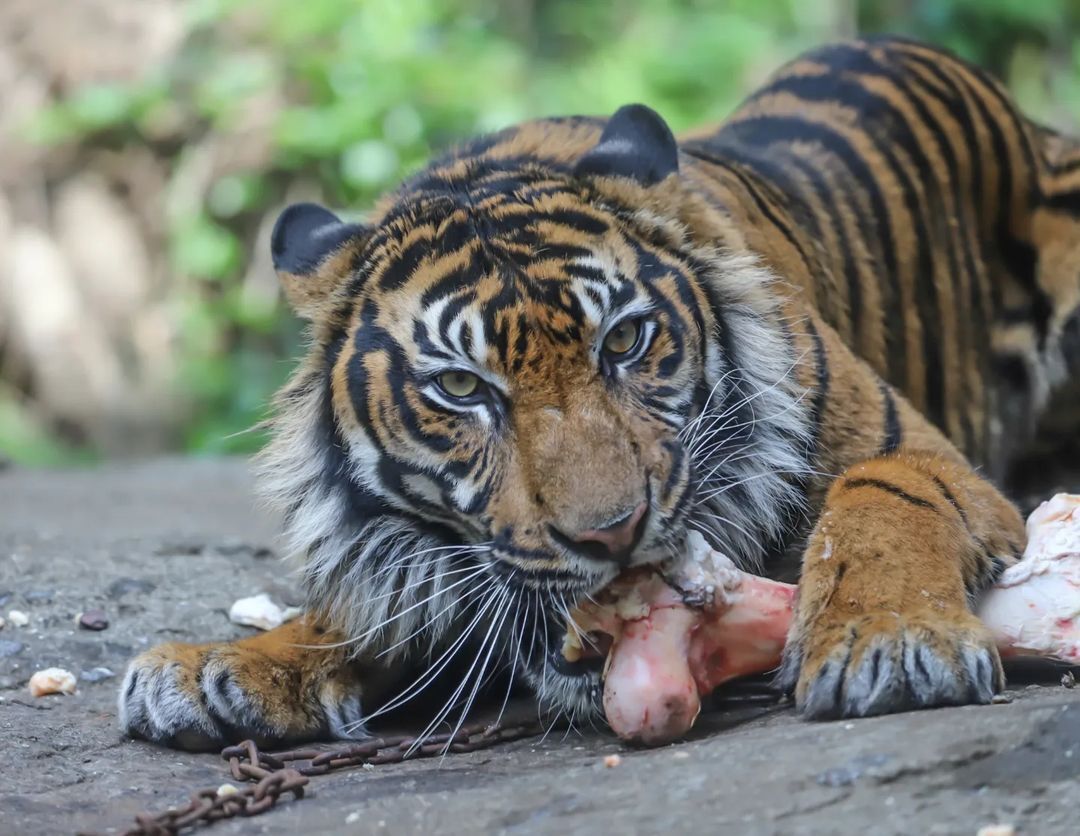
675	637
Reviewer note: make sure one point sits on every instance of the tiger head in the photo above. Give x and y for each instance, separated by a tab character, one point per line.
543	360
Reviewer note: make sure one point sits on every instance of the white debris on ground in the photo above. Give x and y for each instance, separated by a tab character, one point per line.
290	613
257	611
52	681
18	618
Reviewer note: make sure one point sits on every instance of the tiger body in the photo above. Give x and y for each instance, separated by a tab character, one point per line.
559	347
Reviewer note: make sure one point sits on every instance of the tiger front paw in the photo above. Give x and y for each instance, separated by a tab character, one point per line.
882	662
200	697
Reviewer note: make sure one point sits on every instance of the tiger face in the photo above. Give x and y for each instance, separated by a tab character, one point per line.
528	403
528	374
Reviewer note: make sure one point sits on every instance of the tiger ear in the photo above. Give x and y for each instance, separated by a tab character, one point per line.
312	251
637	143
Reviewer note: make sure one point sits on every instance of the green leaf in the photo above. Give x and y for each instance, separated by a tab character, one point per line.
205	250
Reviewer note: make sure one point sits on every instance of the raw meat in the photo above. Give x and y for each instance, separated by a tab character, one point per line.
678	633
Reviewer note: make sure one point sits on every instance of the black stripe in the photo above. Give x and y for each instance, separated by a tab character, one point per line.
1064	202
759	200
892	431
945	492
888	487
828	196
1065	167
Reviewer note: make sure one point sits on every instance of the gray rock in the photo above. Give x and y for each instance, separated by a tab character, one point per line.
180	546
850	772
233	546
39	596
127	586
96	675
10	648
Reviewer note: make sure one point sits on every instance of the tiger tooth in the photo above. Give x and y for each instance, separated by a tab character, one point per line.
572	649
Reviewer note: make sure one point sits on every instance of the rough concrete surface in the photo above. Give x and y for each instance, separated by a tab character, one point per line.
164	548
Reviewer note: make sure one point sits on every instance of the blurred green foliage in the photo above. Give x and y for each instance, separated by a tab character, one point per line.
356	93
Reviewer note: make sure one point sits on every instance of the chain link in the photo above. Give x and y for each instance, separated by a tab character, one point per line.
268	776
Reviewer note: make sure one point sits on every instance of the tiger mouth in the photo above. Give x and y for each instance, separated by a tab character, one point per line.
589	631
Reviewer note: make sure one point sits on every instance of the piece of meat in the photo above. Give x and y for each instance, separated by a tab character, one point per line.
677	635
1034	609
678	632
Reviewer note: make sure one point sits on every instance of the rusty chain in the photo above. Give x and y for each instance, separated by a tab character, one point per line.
268	776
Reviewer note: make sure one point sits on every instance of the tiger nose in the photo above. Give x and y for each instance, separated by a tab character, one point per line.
616	540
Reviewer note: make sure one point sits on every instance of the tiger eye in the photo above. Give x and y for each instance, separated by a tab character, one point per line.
622	337
459	384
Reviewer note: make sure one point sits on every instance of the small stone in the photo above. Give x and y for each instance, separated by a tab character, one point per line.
5	597
52	681
123	586
997	830
10	648
39	596
1001	699
1068	680
18	618
353	817
180	547
289	613
225	790
611	761
93	620
96	675
234	546
256	611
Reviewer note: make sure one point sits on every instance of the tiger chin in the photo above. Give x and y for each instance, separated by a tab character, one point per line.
557	349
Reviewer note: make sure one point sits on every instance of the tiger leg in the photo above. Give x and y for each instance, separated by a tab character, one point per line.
286	684
884	621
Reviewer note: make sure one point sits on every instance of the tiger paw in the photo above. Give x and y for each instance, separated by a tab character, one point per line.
880	663
199	697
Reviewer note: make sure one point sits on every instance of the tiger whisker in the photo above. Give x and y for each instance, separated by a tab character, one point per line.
454	604
386	622
424	580
432	672
452	701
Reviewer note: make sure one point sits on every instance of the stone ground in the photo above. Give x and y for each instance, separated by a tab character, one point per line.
165	547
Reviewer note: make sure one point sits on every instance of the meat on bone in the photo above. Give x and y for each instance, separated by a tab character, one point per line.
678	633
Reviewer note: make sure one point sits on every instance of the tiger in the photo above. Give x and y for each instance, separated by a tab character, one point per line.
816	335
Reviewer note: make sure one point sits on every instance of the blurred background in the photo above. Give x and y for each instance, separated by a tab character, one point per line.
147	145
